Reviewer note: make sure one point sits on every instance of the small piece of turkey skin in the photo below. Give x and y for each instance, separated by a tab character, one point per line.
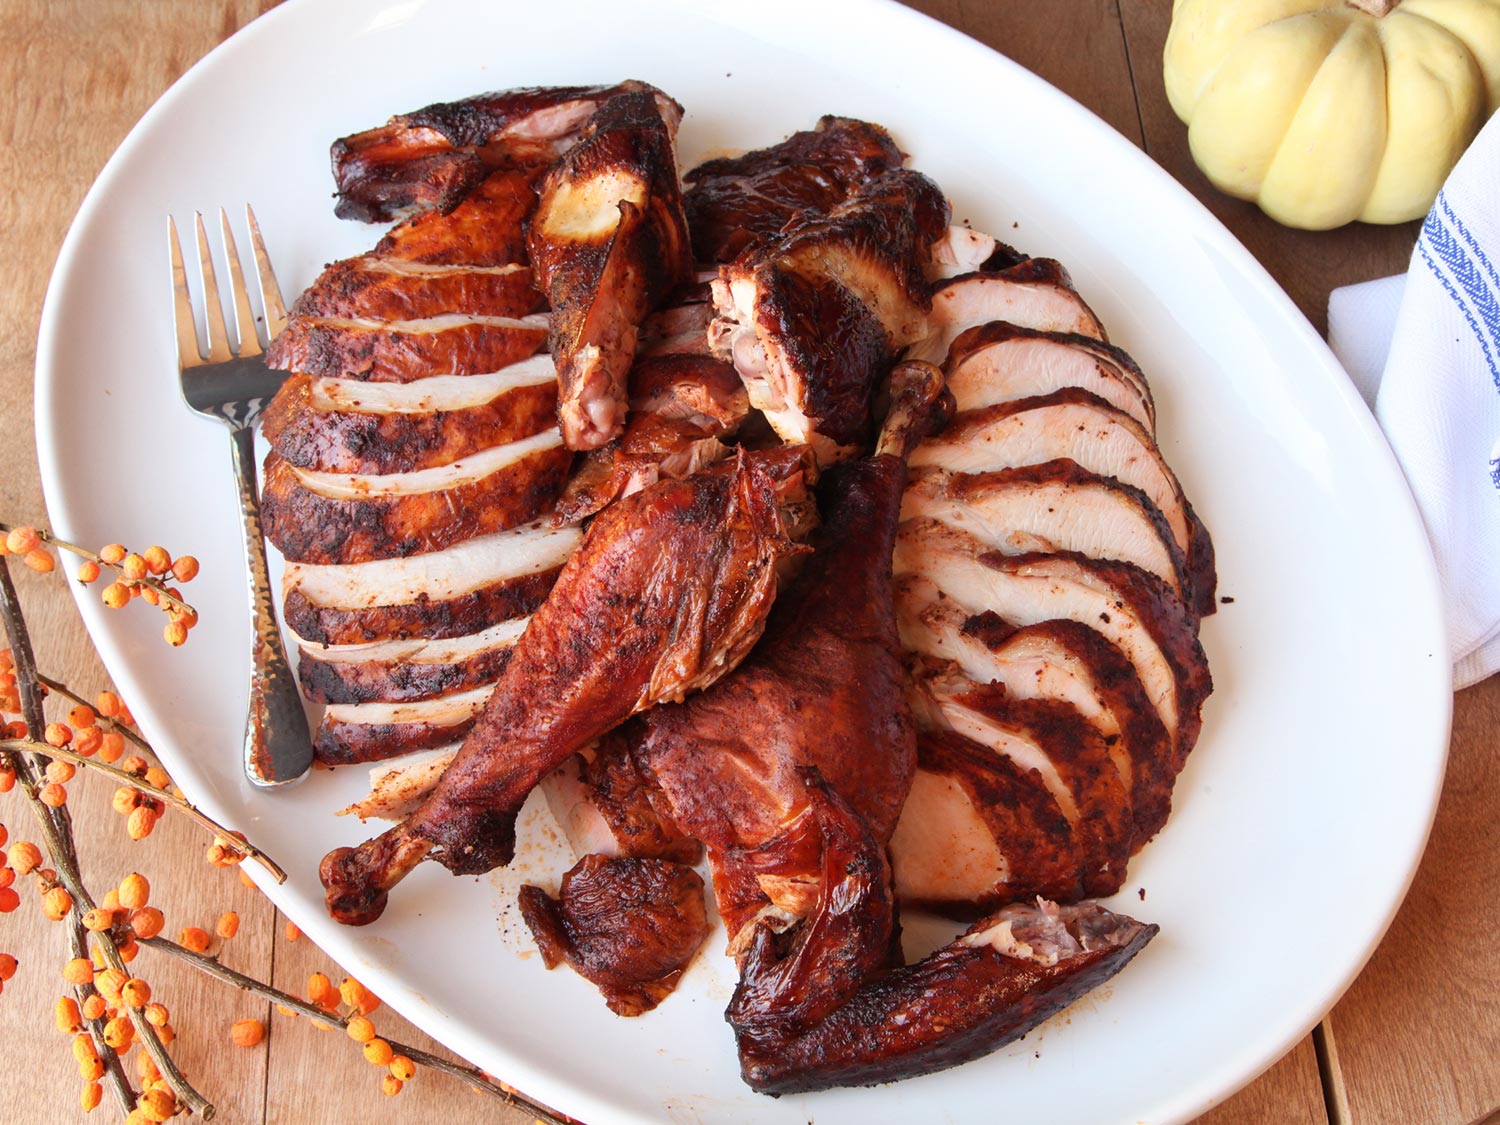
814	320
609	242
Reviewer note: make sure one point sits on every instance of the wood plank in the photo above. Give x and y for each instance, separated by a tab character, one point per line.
1074	44
1289	1092
1417	1032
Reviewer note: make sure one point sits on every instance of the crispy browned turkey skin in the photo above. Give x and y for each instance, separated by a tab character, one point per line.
815	318
669	591
1002	978
433	157
631	926
734	202
609	242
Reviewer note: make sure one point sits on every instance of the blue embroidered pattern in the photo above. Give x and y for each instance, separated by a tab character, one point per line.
1465	271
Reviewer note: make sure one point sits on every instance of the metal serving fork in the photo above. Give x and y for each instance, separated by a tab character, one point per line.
232	384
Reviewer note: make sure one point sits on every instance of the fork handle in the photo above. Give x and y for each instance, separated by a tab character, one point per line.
278	750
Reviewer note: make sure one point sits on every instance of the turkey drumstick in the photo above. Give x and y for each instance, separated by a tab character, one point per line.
669	591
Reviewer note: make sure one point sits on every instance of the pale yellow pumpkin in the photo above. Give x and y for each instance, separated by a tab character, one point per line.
1324	112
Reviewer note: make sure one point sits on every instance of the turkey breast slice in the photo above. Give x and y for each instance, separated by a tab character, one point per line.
1051	507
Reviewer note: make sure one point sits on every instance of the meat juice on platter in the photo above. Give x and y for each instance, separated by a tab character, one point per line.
769	523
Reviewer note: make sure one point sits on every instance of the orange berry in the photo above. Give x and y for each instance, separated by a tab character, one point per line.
284	1010
403	1068
321	992
229	925
108	704
24	856
125	800
61	772
83	1047
53	795
378	1052
93	1005
165	1033
358	997
98	919
113	553
133	566
56	902
22	539
185	569
360	1029
390	1085
292	932
112	747
67	1016
157	559
134	764
156	1014
96	957
7	780
247	1033
147	922
128	948
90	1097
320	1025
7	876
16	728
157	776
194	939
174	633
149	594
125	716
136	993
40	560
141	822
7	966
88	571
58	734
134	891
82	716
9	900
4	835
80	970
145	1066
119	1033
108	984
88	741
91	1071
115	595
157	1104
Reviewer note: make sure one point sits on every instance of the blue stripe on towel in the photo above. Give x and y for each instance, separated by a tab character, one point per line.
1437	236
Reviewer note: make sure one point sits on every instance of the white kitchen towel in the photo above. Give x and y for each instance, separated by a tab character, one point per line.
1424	350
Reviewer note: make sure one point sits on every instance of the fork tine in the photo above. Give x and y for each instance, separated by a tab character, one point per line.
244	317
270	291
218	334
188	352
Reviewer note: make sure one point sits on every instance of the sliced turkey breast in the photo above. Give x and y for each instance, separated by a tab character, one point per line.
390	289
1035	294
320	518
400	351
401	671
1000	362
399	785
455	592
1132	609
309	434
1075	425
1061	660
1051	507
486	229
372	732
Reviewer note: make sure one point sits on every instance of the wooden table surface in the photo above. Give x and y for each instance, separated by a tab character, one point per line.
1414	1040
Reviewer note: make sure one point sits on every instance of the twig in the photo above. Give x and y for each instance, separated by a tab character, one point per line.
114	1069
57	831
186	807
471	1075
149	581
66	692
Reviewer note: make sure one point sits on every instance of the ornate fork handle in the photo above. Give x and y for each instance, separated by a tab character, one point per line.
277	748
